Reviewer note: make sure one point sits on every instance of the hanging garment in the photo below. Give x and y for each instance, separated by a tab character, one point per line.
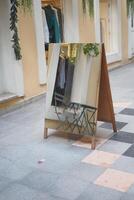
54	32
64	80
61	74
59	87
56	14
60	19
45	27
69	81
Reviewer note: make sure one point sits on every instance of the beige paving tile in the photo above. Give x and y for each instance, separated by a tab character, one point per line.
115	179
121	104
100	158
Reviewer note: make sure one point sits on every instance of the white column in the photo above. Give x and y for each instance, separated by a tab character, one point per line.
75	25
40	41
67	10
71	20
97	20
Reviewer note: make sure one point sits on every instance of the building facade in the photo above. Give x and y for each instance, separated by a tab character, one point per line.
27	78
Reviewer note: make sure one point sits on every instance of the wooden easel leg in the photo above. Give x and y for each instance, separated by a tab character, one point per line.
114	127
45	133
93	143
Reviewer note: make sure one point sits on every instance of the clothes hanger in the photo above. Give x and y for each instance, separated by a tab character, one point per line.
46	5
62	56
52	3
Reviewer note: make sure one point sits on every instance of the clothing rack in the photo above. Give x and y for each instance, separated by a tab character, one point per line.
56	3
64	51
53	29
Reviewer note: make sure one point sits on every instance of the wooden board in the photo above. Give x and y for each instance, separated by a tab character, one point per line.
105	106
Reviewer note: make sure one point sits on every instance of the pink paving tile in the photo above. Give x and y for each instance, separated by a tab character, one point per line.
85	142
100	158
115	179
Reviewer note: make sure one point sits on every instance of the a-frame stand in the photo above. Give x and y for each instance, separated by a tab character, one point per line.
105	104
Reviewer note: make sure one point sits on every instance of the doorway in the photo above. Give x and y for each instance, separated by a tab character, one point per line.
111	28
131	35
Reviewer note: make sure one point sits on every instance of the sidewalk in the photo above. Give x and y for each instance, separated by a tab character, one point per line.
58	168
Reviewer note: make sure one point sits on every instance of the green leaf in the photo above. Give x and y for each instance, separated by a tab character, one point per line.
88	6
130	7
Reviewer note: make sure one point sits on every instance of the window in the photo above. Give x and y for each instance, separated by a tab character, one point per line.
111	28
131	36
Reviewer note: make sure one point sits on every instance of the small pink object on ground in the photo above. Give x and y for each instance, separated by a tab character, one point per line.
41	161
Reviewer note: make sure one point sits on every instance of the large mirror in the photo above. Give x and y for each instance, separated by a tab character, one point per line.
73	86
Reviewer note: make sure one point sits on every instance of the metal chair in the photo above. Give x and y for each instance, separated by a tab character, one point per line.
66	112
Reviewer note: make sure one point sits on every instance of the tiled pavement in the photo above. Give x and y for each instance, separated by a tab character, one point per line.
61	168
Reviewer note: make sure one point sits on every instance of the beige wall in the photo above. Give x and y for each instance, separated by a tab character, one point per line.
86	26
29	56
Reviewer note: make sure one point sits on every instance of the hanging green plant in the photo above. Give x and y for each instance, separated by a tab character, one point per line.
15	4
14	29
91	49
130	7
88	6
25	5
